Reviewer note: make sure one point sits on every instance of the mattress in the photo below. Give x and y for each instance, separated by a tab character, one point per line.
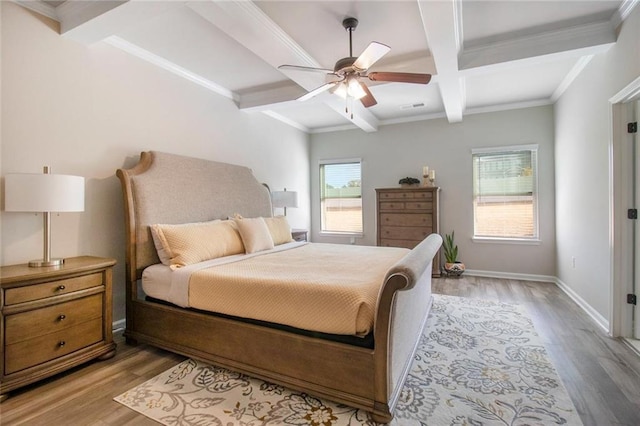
327	288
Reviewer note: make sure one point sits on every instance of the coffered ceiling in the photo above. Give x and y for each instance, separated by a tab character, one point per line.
484	55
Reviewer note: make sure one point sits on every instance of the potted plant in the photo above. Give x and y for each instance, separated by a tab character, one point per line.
452	265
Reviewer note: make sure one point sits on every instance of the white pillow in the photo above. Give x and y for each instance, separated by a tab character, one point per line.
185	244
279	229
255	234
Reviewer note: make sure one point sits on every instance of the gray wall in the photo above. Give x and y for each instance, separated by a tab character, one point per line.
89	110
583	135
401	150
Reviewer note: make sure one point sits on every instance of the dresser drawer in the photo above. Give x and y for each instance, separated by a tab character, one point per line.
398	243
406	195
419	205
51	288
28	353
405	219
417	233
392	205
28	325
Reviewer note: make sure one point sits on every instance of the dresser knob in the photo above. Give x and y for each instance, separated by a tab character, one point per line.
61	287
62	317
62	343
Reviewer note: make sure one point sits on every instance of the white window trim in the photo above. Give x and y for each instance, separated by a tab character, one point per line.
535	240
325	161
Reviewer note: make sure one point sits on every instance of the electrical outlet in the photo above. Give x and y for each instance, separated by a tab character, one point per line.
352	240
573	262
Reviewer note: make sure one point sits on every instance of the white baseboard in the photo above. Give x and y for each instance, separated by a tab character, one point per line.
511	276
595	315
119	325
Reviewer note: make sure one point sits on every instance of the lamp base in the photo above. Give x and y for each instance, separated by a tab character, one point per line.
40	263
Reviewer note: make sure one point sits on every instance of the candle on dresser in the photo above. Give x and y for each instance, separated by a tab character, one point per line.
425	171
432	175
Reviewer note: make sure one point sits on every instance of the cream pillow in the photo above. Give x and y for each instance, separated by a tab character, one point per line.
279	229
255	234
190	243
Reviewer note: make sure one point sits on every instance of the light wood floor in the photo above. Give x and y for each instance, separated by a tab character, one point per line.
601	374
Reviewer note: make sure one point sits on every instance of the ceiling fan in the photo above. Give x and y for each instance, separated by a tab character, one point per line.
349	71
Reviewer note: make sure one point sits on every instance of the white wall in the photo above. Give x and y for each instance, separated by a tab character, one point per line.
583	133
396	151
90	110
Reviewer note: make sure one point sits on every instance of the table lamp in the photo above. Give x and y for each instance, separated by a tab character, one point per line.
46	193
284	199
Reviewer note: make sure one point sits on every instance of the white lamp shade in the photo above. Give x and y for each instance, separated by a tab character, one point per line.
31	192
284	198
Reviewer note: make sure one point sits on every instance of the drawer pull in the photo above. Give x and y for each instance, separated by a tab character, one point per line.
62	317
62	343
61	287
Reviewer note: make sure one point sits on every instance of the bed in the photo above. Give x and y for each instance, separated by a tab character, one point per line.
165	188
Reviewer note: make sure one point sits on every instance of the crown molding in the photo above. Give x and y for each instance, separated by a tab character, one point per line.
571	75
40	7
286	120
623	12
171	67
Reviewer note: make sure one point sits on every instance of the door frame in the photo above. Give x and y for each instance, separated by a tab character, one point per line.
621	261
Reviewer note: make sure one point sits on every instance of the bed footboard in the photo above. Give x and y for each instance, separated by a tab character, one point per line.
400	320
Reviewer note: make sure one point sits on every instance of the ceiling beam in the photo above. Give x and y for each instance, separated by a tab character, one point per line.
250	26
586	39
442	23
89	22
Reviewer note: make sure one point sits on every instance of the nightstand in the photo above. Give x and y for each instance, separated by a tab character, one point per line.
299	234
53	318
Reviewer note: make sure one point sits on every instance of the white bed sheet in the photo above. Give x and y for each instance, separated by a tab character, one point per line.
161	282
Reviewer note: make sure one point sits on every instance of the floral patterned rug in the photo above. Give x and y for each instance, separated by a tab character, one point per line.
478	363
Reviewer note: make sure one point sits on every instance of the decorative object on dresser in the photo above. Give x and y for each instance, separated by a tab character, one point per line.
409	181
46	193
406	216
284	199
452	265
54	318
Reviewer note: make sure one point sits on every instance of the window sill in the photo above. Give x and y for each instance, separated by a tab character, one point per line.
522	241
341	234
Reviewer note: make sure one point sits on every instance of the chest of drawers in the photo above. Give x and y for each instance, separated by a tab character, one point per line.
406	216
53	318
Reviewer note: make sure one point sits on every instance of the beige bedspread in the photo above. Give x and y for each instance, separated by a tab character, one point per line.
330	288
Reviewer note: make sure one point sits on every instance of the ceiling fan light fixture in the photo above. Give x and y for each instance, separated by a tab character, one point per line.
355	90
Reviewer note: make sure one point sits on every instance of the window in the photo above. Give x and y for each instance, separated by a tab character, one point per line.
340	197
505	203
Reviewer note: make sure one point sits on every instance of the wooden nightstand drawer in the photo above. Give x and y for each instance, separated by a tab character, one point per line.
45	348
51	288
39	322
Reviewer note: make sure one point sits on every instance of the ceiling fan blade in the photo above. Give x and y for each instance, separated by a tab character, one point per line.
301	68
371	54
400	77
317	91
368	100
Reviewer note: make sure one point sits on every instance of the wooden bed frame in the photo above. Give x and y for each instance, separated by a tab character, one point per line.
167	188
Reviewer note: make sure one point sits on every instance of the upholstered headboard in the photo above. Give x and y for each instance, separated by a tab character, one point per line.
169	188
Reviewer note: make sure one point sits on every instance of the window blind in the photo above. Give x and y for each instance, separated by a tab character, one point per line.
341	197
505	194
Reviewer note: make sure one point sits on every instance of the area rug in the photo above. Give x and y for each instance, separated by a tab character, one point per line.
478	363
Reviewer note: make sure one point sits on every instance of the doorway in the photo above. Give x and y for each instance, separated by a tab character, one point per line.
625	232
